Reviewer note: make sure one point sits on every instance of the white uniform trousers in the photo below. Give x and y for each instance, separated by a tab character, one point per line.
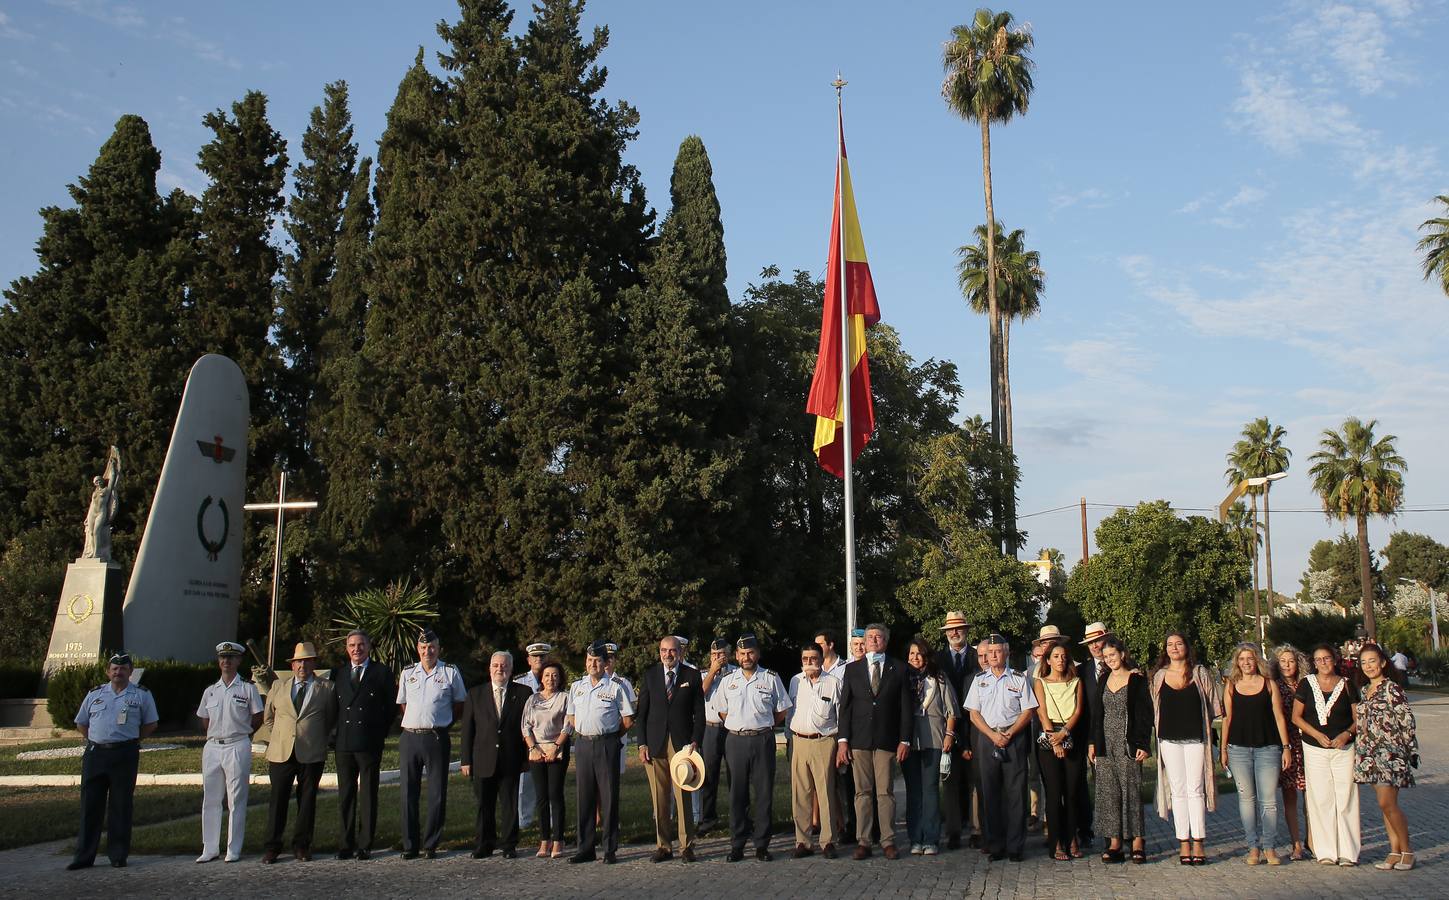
526	801
225	775
1332	801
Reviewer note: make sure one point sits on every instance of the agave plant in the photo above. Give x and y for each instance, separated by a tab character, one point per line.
392	617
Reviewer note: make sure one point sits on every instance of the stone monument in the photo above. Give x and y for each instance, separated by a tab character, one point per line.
186	587
89	618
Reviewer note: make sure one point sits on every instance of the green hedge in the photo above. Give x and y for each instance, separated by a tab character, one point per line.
1307	630
19	682
1434	667
175	686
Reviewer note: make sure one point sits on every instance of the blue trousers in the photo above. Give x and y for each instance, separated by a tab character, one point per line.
1255	769
923	796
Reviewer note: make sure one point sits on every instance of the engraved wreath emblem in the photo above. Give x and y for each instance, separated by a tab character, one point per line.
213	548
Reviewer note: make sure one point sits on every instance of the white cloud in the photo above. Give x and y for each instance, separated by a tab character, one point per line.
1109	358
1089	198
1246	196
117	15
9	31
1348	41
1285	117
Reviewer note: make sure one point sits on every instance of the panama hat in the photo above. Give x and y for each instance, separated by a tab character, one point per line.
687	769
954	619
1048	633
304	650
1095	632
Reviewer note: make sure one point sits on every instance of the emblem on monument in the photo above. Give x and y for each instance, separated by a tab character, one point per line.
80	608
213	548
215	452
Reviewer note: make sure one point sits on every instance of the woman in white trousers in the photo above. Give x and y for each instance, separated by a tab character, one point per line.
1323	710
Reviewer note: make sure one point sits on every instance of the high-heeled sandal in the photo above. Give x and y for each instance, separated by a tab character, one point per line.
543	850
1112	856
1389	862
1184	853
1139	856
1406	861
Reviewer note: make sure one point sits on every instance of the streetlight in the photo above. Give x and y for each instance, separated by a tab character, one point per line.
1433	610
1264	482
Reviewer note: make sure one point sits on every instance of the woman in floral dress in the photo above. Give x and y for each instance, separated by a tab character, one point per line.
1289	665
1387	749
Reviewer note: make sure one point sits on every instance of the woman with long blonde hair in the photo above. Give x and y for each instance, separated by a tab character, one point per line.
1255	749
1288	665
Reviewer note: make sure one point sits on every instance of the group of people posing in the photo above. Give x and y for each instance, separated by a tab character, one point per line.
971	736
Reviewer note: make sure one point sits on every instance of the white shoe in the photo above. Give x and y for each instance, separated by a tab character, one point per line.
928	850
236	858
208	857
915	849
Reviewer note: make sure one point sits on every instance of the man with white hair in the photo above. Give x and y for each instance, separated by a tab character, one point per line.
494	754
1001	703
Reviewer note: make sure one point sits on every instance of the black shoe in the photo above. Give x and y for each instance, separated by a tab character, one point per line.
997	857
687	854
364	854
974	841
118	864
661	855
763	855
430	853
410	854
269	857
707	825
953	843
828	852
302	854
481	854
77	864
1032	823
510	853
801	851
735	855
1015	857
610	859
344	854
583	856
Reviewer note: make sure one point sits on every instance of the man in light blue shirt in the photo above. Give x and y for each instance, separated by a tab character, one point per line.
430	694
751	701
112	718
1000	702
600	709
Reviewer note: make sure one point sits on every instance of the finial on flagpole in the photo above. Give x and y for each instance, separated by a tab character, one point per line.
839	82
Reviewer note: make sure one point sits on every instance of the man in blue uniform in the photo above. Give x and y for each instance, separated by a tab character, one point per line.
751	701
1000	703
600	709
112	718
430	694
714	734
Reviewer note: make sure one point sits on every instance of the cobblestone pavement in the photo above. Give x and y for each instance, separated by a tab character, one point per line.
37	871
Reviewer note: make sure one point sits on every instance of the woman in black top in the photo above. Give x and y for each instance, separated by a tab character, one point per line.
1323	710
1255	748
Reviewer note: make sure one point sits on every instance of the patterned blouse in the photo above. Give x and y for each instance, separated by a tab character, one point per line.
1291	777
1387	739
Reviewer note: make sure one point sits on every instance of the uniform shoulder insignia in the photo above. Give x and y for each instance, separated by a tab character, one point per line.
142	687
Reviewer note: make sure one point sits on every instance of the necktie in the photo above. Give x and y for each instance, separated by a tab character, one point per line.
960	661
356	676
669	685
299	695
498	698
875	677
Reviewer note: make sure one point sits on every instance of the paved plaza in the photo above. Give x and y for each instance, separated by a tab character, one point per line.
39	871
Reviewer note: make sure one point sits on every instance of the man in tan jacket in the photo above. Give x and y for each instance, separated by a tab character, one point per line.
301	712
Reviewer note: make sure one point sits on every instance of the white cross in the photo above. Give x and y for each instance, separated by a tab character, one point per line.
281	506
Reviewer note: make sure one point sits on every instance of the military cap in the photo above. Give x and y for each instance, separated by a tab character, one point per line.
719	644
857	632
747	641
427	636
599	649
120	658
230	648
539	649
613	647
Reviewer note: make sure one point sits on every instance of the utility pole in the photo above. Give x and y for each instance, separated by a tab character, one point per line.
1084	529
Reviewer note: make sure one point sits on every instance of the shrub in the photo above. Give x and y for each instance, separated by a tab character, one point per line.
1305	630
392	617
1409	633
1434	667
19	682
67	689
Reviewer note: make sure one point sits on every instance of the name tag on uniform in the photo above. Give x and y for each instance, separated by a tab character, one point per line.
1013	688
732	687
607	697
121	716
239	701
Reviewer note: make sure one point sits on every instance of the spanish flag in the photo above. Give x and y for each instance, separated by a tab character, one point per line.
825	400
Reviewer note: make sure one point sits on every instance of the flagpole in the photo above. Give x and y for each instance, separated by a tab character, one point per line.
845	361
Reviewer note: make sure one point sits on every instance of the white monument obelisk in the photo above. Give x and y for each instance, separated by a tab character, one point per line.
186	586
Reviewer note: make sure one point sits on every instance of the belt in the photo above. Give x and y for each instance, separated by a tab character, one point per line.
811	737
751	732
223	741
112	745
600	737
713	724
435	730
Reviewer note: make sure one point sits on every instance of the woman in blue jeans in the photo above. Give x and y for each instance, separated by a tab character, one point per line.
1255	749
936	711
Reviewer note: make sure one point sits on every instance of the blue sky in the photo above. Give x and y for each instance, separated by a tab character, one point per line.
1225	196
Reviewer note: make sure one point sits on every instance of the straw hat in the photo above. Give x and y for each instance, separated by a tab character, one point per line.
1095	632
1048	633
954	619
304	650
687	770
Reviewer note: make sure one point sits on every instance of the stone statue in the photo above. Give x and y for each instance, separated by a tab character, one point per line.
104	500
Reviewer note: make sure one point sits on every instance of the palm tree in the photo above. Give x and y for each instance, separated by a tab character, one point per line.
988	79
1258	453
1019	284
1435	245
1358	476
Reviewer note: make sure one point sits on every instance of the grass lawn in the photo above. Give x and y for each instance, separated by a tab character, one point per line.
160	806
157	762
37	815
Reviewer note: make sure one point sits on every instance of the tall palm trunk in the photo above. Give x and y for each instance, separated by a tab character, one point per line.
1006	377
1365	579
993	310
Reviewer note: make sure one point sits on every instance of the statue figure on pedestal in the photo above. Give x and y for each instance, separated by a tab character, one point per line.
104	500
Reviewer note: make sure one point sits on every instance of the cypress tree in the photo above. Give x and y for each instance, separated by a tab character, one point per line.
314	222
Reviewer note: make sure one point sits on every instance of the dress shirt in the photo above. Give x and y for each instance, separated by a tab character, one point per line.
750	702
1000	699
430	696
110	717
544	719
228	708
816	704
599	708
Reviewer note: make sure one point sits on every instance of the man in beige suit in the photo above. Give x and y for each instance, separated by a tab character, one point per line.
301	712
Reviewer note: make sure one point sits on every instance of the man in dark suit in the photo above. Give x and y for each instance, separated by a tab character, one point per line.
671	708
958	663
1089	671
365	690
494	754
876	722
